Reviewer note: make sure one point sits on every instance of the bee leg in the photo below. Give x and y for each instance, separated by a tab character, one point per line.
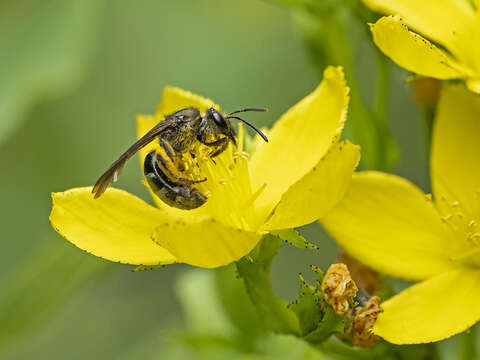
221	145
219	142
152	172
219	150
172	155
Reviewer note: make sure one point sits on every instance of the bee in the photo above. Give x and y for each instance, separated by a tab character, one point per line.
177	135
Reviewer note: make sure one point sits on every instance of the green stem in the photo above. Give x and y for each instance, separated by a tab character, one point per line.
384	137
381	103
428	116
343	351
468	349
255	271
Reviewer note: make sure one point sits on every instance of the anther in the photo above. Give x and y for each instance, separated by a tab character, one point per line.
446	218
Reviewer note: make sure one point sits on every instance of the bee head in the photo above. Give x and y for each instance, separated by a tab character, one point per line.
222	124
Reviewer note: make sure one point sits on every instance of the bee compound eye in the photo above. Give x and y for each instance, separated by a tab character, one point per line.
218	118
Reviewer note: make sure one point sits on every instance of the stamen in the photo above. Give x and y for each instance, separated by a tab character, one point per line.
241	135
228	183
254	197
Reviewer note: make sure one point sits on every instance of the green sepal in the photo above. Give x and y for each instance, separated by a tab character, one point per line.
310	317
306	307
294	238
147	267
329	324
317	318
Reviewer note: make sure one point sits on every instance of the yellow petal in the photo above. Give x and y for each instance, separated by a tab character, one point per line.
432	310
456	150
443	21
387	223
117	226
206	244
413	52
319	191
174	99
474	85
300	138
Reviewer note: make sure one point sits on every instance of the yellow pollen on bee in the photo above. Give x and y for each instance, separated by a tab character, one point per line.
428	197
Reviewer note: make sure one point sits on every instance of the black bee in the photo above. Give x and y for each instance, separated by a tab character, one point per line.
177	135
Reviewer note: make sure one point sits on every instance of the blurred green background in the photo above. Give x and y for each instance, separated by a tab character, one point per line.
73	75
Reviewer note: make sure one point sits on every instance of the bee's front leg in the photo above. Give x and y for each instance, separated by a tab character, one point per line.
221	145
219	150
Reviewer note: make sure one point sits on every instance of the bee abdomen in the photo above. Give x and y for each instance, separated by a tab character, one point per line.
177	195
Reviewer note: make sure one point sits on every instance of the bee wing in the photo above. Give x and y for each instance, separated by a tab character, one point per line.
112	173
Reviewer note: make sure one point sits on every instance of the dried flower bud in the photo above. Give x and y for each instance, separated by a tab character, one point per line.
361	329
338	288
366	278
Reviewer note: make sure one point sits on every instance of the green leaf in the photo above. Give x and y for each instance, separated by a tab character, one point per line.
292	237
45	49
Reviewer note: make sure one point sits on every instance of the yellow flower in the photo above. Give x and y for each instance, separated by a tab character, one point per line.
291	181
389	224
455	25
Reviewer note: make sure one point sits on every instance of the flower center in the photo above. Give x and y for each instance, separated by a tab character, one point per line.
231	199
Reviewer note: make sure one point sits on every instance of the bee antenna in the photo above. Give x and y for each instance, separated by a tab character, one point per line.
251	125
248	109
